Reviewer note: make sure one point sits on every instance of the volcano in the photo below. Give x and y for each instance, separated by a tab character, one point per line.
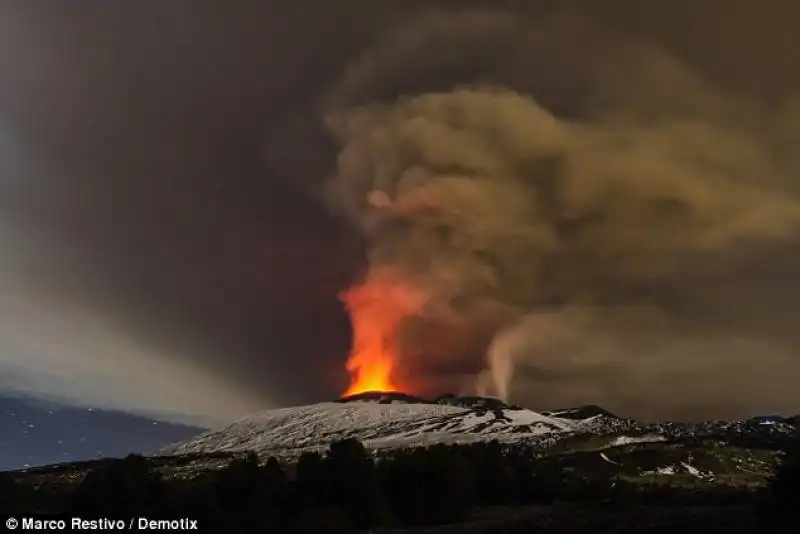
389	420
382	421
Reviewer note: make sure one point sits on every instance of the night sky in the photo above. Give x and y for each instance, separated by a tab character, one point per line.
39	433
162	248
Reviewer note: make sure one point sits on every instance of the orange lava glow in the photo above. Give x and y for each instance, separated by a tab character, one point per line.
377	308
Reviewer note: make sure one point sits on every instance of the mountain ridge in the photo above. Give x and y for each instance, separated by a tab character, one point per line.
386	421
383	420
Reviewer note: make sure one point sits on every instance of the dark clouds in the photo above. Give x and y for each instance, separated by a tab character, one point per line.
136	197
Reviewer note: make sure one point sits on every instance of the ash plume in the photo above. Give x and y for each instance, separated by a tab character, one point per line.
565	196
154	262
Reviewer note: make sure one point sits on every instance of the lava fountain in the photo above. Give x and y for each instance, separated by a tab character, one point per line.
377	308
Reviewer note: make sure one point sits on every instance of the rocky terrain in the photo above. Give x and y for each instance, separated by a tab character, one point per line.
586	445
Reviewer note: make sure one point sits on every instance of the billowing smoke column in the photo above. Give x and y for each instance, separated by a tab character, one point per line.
525	203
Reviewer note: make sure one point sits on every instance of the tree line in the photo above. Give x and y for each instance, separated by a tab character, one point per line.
346	490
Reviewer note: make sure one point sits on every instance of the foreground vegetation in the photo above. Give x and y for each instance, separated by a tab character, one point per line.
346	490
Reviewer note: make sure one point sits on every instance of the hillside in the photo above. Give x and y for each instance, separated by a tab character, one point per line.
578	446
389	421
382	422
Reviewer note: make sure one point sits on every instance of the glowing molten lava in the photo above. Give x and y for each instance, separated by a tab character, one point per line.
377	308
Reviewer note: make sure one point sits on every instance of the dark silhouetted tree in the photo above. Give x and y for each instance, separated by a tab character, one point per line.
428	486
494	478
352	482
452	484
239	483
126	486
201	502
530	484
274	480
309	489
250	496
12	498
327	520
779	513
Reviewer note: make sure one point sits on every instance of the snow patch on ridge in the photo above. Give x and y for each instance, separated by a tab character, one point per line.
681	468
627	440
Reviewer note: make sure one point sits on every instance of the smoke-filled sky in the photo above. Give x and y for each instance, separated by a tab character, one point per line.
607	190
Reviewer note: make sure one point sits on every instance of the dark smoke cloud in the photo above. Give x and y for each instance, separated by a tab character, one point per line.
575	189
152	261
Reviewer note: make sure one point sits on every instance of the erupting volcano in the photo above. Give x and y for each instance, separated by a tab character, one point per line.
377	308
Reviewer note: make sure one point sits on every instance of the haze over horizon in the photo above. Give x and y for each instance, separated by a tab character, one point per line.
184	186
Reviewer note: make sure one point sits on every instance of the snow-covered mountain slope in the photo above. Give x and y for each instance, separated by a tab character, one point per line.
380	421
385	421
